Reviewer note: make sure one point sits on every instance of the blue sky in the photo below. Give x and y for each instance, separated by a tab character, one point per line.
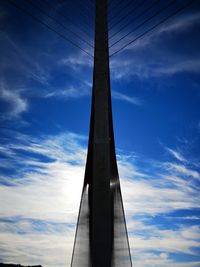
45	101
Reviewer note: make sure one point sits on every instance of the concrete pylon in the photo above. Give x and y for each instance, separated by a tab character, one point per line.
101	236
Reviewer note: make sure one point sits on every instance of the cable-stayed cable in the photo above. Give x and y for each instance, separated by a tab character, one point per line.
153	27
84	6
71	2
129	13
145	21
121	10
49	28
82	13
59	23
116	5
67	18
138	16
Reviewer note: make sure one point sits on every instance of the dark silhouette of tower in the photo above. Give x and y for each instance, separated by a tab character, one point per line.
101	236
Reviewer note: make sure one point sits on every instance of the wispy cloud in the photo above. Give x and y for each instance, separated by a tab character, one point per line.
46	167
16	103
70	93
38	242
176	154
77	62
182	240
137	60
130	99
152	67
24	77
42	192
187	65
178	24
181	23
17	59
182	169
160	260
86	90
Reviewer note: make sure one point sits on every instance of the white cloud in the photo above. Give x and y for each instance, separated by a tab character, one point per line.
176	154
69	93
56	184
143	197
181	169
17	59
146	67
181	23
137	58
73	92
50	248
16	104
160	260
181	240
163	243
77	62
188	65
133	100
44	192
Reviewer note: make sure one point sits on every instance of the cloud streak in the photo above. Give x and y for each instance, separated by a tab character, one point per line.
132	100
16	104
43	191
164	62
